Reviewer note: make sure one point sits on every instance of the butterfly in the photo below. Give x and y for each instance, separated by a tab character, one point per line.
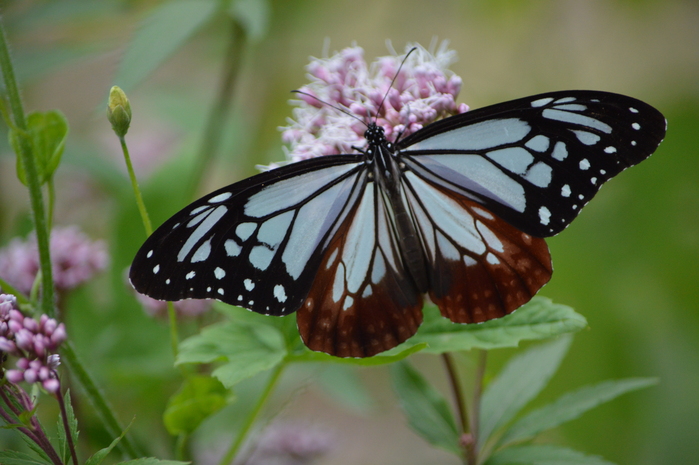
457	211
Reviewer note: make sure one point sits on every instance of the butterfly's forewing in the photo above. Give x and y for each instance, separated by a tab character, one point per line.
479	267
535	162
363	300
256	244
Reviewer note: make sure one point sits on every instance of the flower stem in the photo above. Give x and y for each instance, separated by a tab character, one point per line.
26	158
217	116
456	391
137	191
252	416
476	404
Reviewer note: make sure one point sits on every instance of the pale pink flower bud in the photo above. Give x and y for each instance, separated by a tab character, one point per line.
52	385
14	376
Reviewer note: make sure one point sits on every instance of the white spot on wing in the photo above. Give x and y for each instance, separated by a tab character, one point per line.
156	268
232	248
538	143
245	230
584	164
541	102
636	126
575	118
211	219
544	215
190	275
149	254
586	138
202	252
249	285
279	293
220	197
565	191
610	149
559	151
219	273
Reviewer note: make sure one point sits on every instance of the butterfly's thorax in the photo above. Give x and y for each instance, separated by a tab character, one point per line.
387	173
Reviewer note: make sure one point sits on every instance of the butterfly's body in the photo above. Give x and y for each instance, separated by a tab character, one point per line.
456	210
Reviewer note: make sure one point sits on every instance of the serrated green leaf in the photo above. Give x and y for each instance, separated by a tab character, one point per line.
524	376
8	457
538	319
63	448
253	15
46	133
100	455
570	406
390	356
244	349
152	461
164	31
427	411
543	455
199	398
36	448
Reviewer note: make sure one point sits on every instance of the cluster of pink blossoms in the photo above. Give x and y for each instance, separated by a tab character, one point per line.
75	259
423	91
34	342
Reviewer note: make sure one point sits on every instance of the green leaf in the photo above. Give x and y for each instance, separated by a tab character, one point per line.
343	384
245	349
47	133
100	455
199	398
427	411
63	448
543	455
253	15
152	461
524	376
538	319
8	457
164	31
570	406
390	356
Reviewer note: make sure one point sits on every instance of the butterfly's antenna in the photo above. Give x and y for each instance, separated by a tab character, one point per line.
330	105
376	117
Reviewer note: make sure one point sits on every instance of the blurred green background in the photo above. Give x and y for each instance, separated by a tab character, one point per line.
630	263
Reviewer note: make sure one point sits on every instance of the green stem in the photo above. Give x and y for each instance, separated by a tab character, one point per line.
476	405
456	391
98	402
137	191
250	420
217	117
27	160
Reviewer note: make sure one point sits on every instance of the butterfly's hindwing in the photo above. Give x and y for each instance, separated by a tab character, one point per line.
255	244
480	267
363	300
535	162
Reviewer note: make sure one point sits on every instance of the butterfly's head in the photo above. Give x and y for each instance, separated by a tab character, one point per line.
375	134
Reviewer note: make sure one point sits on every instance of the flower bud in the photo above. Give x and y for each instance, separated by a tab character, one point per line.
119	111
14	376
52	385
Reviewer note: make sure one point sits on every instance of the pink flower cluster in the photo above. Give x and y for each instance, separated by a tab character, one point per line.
34	342
74	256
423	91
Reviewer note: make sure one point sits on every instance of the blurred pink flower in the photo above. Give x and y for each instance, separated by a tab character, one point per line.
424	91
190	308
74	256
